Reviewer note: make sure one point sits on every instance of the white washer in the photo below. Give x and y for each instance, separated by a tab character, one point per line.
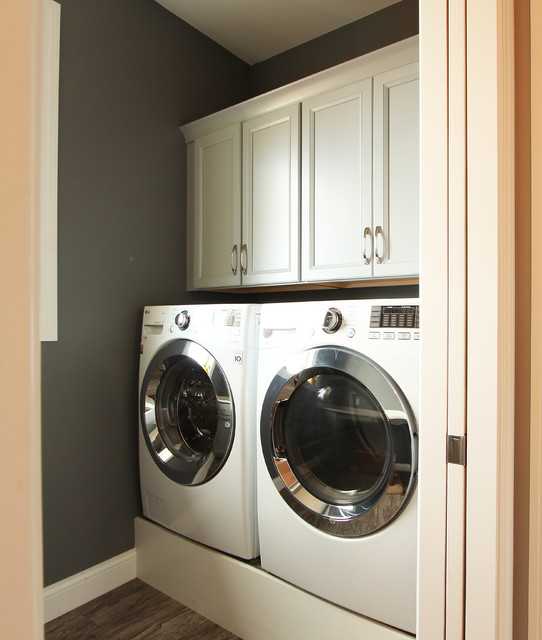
197	435
338	399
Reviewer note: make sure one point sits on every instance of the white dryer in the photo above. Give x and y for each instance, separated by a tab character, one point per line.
197	431
338	399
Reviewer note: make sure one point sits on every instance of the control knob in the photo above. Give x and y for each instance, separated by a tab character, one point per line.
332	321
182	320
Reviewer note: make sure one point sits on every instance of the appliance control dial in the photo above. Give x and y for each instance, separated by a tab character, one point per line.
182	320
332	320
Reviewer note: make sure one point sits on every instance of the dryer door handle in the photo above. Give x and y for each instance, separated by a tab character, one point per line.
276	421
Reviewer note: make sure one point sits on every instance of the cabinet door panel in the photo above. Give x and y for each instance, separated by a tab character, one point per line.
336	183
396	171
216	226
271	198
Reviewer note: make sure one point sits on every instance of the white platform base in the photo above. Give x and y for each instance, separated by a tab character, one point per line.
63	596
241	597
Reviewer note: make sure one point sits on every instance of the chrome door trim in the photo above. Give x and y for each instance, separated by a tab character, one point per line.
178	461
356	515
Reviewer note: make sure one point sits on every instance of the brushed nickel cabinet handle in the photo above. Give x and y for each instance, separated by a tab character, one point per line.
379	254
367	255
234	260
244	259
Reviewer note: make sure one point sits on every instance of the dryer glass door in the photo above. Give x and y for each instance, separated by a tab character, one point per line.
339	439
187	412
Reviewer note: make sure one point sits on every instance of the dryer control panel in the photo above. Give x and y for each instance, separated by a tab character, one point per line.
395	316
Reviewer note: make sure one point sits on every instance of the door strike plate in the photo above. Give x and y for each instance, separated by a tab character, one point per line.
457	450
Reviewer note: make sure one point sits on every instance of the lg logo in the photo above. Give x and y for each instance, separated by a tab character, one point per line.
238	358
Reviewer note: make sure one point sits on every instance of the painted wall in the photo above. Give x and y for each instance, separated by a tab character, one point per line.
130	74
392	24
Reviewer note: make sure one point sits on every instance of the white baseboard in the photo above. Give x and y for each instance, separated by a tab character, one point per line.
63	596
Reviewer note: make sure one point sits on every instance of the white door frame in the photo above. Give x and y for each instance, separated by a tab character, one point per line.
434	326
491	322
470	313
490	286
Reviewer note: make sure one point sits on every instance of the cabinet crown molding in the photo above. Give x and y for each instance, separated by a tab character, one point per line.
366	66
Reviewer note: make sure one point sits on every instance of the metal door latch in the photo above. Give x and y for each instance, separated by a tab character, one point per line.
457	450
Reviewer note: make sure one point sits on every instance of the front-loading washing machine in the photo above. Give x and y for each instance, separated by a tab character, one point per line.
338	401
197	431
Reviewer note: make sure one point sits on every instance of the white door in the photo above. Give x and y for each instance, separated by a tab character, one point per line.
214	210
396	172
336	184
270	249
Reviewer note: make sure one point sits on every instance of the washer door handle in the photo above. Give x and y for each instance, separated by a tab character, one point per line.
276	419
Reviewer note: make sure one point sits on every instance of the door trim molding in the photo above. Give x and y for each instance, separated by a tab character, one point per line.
535	532
490	318
434	311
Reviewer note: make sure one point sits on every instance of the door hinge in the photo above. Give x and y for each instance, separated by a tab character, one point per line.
457	450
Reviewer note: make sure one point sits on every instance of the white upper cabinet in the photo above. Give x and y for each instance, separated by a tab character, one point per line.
317	181
270	230
214	202
336	184
396	172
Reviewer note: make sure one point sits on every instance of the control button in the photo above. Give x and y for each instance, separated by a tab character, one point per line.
416	335
374	335
171	329
389	335
404	335
351	333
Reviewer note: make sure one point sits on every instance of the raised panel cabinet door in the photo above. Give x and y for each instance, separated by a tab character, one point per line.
396	173
336	184
214	209
270	249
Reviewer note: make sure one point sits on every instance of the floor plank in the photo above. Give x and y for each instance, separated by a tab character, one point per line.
72	625
134	611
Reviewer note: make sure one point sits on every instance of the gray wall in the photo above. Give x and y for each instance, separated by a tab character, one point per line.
130	74
392	24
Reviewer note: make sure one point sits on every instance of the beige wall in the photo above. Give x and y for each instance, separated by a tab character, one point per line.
20	548
523	298
535	547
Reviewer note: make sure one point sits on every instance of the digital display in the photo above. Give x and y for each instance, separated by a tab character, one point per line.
400	316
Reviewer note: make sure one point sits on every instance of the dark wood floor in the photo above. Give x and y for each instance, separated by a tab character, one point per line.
134	611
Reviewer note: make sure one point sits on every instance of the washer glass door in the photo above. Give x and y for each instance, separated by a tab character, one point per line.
339	439
187	412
